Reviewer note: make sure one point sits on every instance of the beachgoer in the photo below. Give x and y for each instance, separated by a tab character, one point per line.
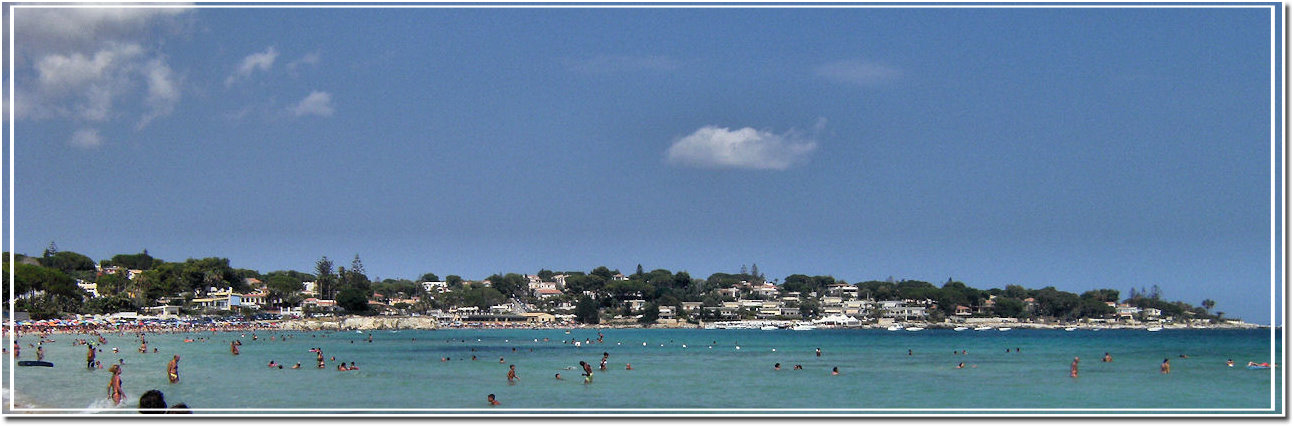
40	353
298	365
152	402
1230	363
798	367
512	374
628	367
818	352
909	352
961	365
233	348
558	376
1107	358
777	366
352	366
173	369
588	369
1164	368
835	371
1073	368
89	356
114	384
491	399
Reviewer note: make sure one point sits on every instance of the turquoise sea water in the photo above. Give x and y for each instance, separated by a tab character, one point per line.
679	371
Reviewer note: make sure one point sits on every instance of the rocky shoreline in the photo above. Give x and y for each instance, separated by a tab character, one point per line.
428	323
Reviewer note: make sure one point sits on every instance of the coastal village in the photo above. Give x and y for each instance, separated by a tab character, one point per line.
602	297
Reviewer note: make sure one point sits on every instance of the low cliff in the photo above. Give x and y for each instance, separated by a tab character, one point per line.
364	323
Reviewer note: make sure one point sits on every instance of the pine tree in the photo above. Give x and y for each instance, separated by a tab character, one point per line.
51	250
357	266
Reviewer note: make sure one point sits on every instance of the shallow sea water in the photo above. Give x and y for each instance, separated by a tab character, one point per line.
687	371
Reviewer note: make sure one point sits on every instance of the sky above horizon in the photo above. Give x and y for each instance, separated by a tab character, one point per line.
1079	148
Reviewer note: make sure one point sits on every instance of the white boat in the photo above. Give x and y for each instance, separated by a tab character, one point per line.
894	328
914	329
1154	329
805	327
983	328
768	327
1070	328
961	329
1004	329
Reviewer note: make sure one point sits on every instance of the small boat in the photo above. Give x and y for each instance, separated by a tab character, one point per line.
768	327
35	364
894	328
805	327
1071	328
961	328
914	329
1004	329
1154	329
983	328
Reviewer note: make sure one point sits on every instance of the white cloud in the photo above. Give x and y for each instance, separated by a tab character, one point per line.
859	73
317	103
86	138
79	28
87	64
83	86
163	92
745	148
256	61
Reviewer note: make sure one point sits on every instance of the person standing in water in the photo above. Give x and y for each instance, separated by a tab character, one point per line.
89	356
40	353
1073	368
490	398
1107	358
114	385
512	374
233	348
1164	368
173	369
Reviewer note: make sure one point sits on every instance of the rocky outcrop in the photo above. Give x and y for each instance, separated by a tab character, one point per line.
365	323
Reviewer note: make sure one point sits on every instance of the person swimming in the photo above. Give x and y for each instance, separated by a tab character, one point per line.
490	398
835	371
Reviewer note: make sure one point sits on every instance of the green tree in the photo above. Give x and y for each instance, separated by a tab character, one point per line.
429	277
284	287
141	261
68	262
454	281
650	314
325	281
353	300
586	311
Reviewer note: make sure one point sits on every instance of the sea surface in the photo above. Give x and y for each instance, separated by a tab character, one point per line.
676	371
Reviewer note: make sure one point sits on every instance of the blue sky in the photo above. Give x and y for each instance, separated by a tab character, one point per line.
1079	148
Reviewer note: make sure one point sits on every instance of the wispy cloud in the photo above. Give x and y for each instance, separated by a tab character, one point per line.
163	92
86	138
858	73
622	63
317	103
307	59
256	61
745	148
